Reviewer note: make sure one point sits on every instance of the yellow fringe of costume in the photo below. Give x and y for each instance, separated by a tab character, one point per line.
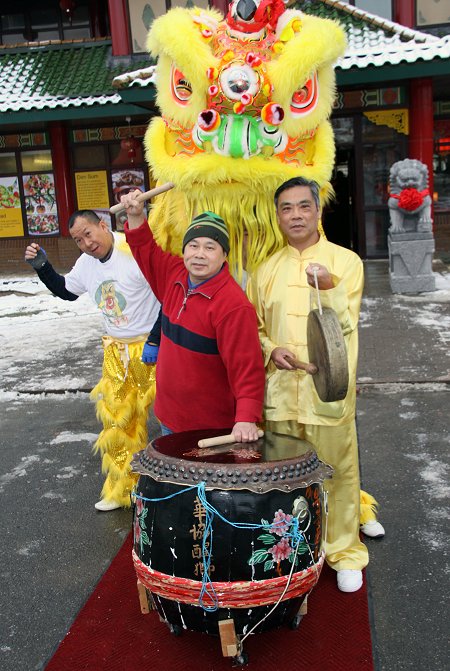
368	508
123	396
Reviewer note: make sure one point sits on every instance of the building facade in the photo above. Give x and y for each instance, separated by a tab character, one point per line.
70	139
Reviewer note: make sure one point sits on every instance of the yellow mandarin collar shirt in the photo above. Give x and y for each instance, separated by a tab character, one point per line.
282	299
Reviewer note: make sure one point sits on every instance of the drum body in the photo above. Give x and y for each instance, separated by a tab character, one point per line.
274	483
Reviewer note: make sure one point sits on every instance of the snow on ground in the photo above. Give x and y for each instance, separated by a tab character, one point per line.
38	331
424	309
69	437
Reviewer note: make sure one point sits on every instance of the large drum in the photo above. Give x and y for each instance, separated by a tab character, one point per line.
229	532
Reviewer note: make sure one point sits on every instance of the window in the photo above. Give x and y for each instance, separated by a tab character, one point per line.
27	191
8	165
37	161
106	168
22	21
441	166
89	157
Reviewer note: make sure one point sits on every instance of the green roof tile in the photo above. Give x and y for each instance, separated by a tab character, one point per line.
63	75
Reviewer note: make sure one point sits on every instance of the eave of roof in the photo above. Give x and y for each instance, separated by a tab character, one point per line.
378	50
60	80
376	43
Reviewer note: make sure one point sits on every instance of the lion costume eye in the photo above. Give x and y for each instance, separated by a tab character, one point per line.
305	99
238	79
181	87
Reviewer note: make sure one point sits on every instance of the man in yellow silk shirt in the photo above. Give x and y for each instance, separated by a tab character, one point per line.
281	292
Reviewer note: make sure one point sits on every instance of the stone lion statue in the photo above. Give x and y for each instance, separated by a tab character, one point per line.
409	202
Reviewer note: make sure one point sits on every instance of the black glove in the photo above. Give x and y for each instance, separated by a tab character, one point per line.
39	260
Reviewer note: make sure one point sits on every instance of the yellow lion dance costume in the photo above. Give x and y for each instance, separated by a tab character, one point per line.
245	105
241	113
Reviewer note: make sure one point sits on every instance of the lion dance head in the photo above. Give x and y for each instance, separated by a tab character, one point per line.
245	105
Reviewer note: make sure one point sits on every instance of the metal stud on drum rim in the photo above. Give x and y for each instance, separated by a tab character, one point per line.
326	349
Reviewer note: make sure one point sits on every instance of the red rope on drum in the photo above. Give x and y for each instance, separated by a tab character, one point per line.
238	594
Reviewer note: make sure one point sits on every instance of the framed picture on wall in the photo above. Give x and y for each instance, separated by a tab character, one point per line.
124	181
40	204
142	13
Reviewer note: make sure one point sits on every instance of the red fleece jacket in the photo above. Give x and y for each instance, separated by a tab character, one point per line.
210	371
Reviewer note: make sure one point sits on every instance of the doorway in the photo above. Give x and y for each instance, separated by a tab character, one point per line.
339	220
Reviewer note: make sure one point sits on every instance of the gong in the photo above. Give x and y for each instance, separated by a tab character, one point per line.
327	351
328	362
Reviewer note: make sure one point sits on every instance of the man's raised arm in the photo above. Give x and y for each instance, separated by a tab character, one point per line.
134	209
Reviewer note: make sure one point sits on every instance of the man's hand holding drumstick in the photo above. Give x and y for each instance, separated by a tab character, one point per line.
134	208
245	432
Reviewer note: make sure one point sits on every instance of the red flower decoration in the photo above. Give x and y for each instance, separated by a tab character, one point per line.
410	199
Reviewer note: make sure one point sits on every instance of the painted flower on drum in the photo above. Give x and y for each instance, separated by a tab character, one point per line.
281	550
291	544
281	523
139	527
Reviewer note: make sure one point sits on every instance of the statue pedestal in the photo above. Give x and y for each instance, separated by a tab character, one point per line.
410	262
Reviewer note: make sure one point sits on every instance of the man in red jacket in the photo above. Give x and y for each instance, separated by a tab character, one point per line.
210	370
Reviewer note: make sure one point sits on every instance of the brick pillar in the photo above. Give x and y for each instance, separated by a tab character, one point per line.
62	175
421	123
120	29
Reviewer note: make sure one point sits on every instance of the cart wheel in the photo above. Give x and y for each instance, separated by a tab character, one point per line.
175	629
241	659
295	622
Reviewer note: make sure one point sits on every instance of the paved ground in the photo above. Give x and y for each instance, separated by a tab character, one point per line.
56	547
402	415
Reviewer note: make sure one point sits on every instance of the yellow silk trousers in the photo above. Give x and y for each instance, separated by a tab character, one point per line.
337	446
122	396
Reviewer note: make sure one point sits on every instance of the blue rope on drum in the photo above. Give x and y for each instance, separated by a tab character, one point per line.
207	589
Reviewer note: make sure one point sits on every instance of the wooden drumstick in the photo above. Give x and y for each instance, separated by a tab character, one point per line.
147	195
222	440
309	368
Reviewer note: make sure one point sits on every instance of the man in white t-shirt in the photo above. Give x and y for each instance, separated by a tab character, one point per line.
107	271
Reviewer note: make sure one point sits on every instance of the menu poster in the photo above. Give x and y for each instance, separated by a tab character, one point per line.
124	181
11	219
40	204
92	190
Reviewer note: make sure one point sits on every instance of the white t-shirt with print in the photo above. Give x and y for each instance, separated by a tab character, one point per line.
118	288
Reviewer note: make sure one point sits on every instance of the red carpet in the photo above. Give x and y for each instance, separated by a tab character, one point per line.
111	634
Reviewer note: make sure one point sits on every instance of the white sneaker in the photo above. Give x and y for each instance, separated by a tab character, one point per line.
373	529
104	506
349	580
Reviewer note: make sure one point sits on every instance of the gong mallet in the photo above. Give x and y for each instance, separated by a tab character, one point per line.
147	195
309	368
222	440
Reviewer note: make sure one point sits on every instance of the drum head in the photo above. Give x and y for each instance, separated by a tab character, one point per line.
275	461
326	349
